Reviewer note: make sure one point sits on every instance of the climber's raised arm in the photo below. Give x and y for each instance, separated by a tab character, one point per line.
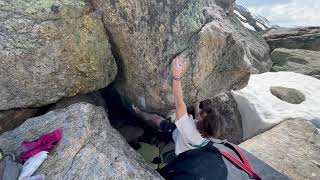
177	67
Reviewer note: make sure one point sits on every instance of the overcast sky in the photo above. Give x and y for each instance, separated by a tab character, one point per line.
286	13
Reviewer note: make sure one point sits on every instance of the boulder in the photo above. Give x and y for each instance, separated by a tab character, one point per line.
292	147
50	50
89	149
147	34
10	119
258	23
226	108
257	50
261	110
294	38
297	60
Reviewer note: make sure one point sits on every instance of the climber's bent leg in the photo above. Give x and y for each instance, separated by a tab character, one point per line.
167	128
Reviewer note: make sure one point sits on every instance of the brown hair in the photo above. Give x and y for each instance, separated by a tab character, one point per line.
211	125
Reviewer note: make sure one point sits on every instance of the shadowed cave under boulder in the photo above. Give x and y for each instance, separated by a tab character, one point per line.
148	140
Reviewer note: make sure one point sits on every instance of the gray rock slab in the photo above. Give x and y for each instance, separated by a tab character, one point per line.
297	60
89	149
294	38
292	147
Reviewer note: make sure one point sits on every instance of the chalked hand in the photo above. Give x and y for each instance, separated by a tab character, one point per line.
177	66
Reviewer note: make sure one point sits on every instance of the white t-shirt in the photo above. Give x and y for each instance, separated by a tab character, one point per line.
186	136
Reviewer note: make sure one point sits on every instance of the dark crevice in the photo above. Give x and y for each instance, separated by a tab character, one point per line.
114	48
43	110
121	117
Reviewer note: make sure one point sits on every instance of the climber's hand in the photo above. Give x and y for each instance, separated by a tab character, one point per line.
177	66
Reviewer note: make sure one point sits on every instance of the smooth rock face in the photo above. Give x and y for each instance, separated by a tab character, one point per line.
10	119
289	95
49	50
229	115
294	38
89	149
293	148
257	50
147	34
261	110
297	60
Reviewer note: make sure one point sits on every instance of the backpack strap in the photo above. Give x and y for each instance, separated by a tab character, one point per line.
243	164
239	153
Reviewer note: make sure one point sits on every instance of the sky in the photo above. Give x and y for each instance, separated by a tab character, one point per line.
286	13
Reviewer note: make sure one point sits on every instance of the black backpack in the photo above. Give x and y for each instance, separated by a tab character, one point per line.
221	161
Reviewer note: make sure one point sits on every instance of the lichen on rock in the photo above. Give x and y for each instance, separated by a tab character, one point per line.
50	50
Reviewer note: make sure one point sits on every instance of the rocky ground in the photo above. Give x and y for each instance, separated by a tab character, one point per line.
292	147
56	56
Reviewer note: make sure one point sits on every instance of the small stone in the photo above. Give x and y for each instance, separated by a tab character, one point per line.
289	95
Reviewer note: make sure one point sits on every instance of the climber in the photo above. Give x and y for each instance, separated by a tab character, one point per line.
199	155
187	133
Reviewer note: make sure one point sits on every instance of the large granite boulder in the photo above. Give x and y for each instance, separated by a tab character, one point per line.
292	147
10	119
147	34
257	50
297	60
49	50
294	38
89	149
262	108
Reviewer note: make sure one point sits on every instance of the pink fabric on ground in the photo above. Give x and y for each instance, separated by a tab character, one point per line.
44	143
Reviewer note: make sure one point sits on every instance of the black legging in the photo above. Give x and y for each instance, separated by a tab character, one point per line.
167	128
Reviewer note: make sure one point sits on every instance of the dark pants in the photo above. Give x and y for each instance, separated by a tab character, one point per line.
167	128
